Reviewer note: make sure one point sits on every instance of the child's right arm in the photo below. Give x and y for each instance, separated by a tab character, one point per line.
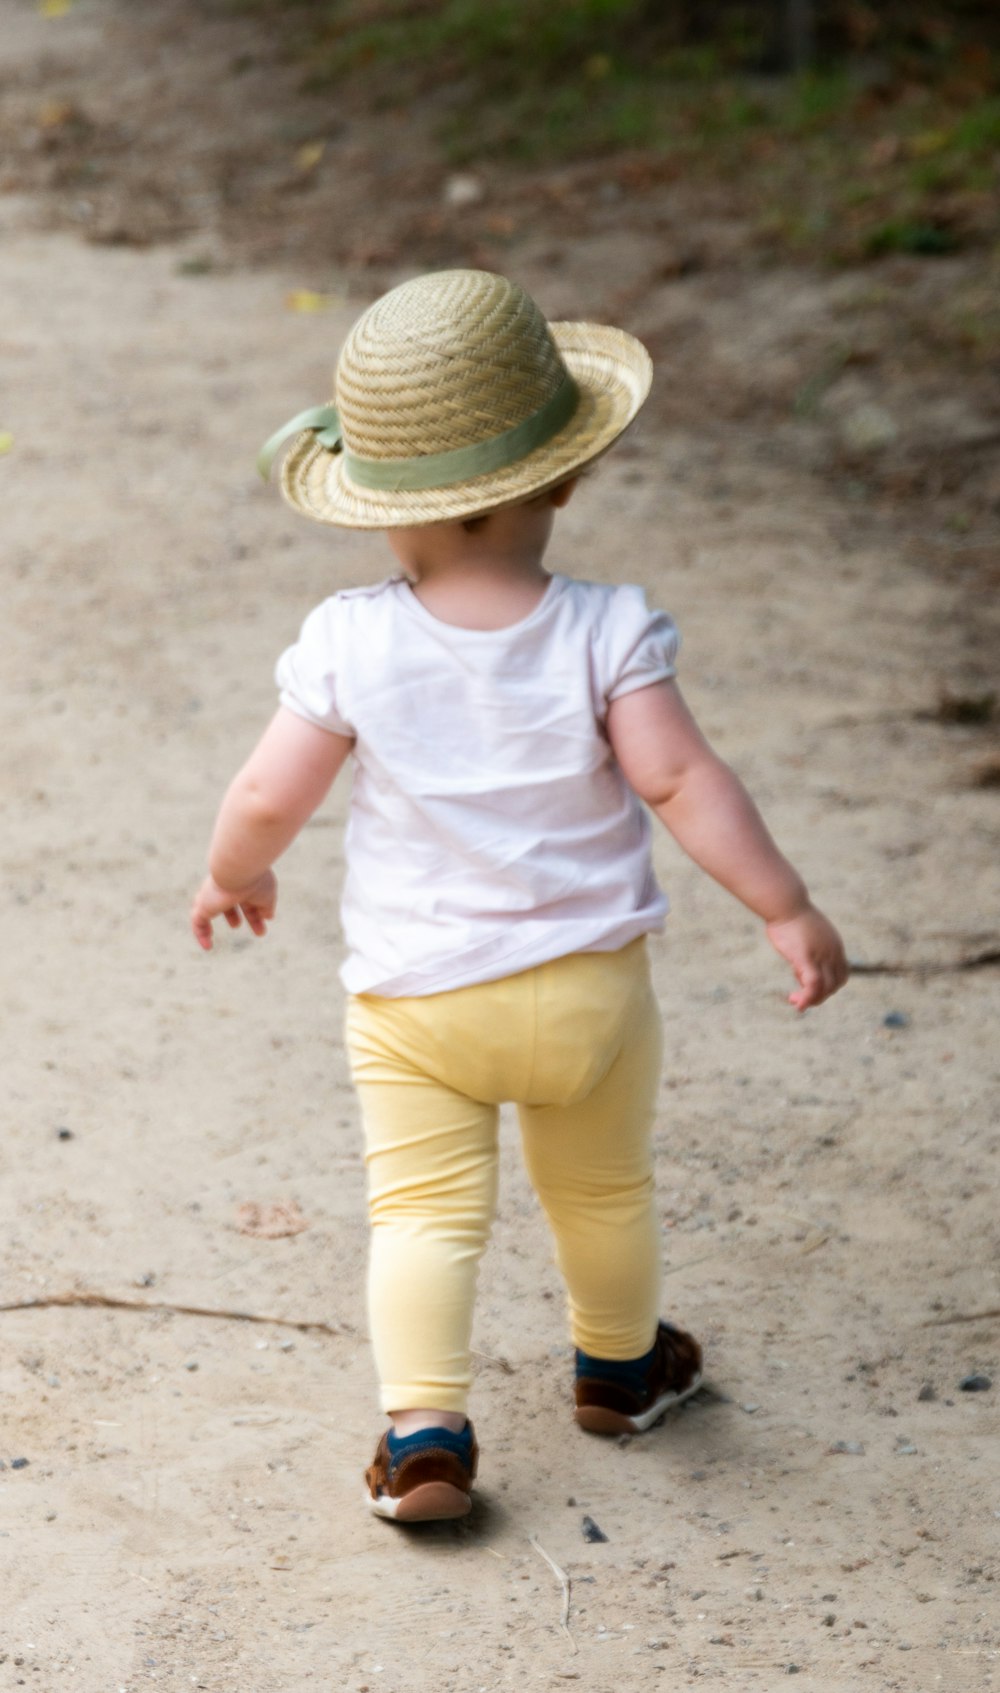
285	778
671	766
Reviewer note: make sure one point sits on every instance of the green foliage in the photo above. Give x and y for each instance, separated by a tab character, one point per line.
889	144
903	235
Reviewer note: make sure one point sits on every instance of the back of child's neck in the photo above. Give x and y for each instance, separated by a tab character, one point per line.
483	591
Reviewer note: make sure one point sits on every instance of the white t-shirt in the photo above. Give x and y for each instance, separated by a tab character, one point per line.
490	827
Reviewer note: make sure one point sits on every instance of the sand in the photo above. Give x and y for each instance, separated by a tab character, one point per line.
180	1494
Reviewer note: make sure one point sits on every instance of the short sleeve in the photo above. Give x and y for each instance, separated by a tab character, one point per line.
639	646
306	673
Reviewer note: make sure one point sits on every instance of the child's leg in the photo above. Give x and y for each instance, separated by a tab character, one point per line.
432	1161
591	1165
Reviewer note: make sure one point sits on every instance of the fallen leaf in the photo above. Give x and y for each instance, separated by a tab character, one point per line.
54	8
6	442
55	114
305	300
270	1222
931	141
308	157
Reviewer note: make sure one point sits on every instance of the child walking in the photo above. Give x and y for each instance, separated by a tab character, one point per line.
507	729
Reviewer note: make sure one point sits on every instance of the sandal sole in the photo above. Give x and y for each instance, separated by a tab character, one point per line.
435	1501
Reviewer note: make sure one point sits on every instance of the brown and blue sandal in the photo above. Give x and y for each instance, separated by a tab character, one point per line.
628	1397
423	1477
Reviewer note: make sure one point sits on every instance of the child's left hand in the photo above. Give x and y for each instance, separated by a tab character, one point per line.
256	903
811	945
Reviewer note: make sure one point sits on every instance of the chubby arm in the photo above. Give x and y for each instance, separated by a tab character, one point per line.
671	766
285	778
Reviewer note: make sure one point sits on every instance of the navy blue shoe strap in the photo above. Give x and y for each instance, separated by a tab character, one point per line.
432	1440
621	1372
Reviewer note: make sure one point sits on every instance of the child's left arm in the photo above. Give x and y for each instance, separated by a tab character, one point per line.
285	778
671	766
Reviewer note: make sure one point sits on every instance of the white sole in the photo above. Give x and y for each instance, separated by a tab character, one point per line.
596	1419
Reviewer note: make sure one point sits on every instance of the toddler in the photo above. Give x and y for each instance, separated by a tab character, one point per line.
507	729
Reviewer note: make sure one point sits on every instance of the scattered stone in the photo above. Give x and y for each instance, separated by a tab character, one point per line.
463	189
895	1020
956	707
65	1134
19	1463
192	1364
975	1384
829	1619
592	1532
749	1408
848	1448
571	1500
927	1393
867	429
905	1448
792	1669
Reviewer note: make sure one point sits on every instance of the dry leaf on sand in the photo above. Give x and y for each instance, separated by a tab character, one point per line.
270	1222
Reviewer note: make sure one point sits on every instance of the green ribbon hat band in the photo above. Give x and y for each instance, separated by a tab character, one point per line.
323	419
431	470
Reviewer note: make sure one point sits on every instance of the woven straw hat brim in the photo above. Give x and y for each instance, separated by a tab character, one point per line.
613	372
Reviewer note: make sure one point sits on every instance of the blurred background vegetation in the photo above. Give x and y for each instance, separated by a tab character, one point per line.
845	130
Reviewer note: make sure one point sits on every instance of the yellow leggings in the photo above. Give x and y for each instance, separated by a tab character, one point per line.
576	1044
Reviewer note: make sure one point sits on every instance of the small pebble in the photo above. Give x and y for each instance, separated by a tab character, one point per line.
905	1449
749	1409
895	1020
927	1393
463	189
192	1364
850	1448
791	1669
65	1134
975	1384
591	1531
829	1619
571	1500
19	1463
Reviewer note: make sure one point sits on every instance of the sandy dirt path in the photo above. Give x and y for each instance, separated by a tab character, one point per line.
180	1495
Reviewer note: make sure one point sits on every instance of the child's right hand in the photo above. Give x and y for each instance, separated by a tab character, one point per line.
256	903
811	945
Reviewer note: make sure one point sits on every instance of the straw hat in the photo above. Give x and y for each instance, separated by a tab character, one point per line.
454	396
